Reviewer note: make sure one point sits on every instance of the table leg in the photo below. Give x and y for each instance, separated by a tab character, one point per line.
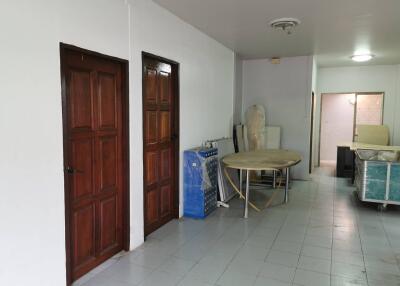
287	186
274	179
246	201
240	180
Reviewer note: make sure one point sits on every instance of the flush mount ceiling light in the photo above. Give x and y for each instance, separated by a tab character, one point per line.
285	24
362	58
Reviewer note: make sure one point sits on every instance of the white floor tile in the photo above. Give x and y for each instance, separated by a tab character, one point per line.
310	278
344	281
287	246
127	273
315	264
264	281
176	266
283	258
234	278
348	270
277	272
161	278
316	251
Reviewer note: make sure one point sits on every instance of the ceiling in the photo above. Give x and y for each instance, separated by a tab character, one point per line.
330	29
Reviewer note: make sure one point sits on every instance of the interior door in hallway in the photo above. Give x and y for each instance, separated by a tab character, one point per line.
337	124
93	95
160	142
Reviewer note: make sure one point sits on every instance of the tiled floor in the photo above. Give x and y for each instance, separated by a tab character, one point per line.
323	236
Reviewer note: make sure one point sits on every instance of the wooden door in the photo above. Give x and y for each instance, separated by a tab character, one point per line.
94	163
160	142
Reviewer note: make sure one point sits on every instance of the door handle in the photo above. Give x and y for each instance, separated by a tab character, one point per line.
71	170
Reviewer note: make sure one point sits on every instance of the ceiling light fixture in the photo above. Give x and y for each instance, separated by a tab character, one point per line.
362	58
285	24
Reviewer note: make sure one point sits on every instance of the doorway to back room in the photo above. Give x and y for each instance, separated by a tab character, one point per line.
341	113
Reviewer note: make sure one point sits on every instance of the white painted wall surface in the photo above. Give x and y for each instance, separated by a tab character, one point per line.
285	92
238	102
206	89
365	79
314	82
337	123
32	238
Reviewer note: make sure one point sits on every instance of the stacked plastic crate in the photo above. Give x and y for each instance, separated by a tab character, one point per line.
200	181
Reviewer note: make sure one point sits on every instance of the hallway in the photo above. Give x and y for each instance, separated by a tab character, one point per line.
323	236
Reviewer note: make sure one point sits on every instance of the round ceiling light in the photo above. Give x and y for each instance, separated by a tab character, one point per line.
285	24
362	58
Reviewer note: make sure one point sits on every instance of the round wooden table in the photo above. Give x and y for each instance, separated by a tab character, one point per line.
261	160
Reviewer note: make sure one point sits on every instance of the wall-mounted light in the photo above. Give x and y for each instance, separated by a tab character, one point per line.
362	58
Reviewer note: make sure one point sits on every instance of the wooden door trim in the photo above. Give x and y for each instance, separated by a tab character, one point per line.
125	148
311	163
176	102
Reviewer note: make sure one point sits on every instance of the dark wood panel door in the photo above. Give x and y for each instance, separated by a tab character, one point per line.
94	162
160	141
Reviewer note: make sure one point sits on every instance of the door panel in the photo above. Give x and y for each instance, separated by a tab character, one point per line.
80	99
165	81
160	130
152	206
107	95
84	231
93	144
108	223
151	86
165	163
166	202
82	158
151	168
151	127
165	126
108	163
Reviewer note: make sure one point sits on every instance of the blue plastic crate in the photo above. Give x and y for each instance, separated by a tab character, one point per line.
200	181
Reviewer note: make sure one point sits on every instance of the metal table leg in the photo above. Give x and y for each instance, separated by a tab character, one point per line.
274	179
246	201
240	181
286	186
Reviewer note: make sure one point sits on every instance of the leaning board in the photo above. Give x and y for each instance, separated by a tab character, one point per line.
225	147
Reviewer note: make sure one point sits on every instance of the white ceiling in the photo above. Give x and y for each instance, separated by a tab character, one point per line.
331	29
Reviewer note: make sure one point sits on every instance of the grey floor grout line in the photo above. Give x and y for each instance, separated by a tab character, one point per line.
361	244
273	242
333	227
302	245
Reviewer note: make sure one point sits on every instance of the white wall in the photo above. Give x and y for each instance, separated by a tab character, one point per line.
285	92
32	239
384	78
206	88
314	82
238	101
